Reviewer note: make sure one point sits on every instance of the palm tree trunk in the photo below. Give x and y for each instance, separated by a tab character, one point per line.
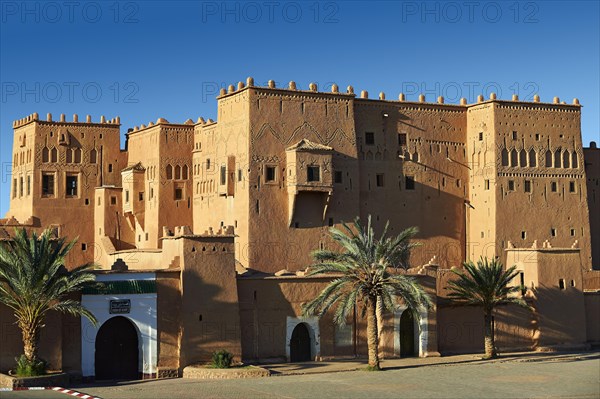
490	344
372	334
31	337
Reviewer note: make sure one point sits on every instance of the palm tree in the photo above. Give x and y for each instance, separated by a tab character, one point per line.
33	281
486	285
366	274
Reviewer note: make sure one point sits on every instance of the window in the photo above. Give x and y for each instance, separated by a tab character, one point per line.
369	138
45	155
402	139
151	192
480	136
553	187
14	188
223	175
184	172
537	137
486	184
553	232
113	200
178	194
572	232
141	196
110	168
561	283
127	196
28	185
522	283
177	172
239	175
48	185
511	185
571	186
207	163
527	186
523	235
270	174
54	155
169	172
93	156
83	246
514	135
21	186
572	283
330	221
338	176
409	182
313	173
379	179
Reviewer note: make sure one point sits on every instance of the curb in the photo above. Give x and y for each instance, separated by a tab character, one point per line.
69	392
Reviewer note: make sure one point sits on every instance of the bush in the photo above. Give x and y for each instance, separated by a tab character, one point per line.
26	368
222	359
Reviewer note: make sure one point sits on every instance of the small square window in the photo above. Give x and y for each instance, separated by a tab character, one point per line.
83	246
379	180
223	175
113	200
572	283
178	194
553	187
146	236
369	138
87	201
511	185
571	186
140	196
527	186
338	176
109	167
561	283
127	196
553	232
514	135
537	137
239	175
480	136
313	173
270	174
523	235
572	232
409	182
486	184
402	139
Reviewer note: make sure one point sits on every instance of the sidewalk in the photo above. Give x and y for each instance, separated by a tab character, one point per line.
336	366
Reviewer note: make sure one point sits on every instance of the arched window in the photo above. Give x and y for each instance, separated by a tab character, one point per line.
513	158
504	157
177	172
77	155
548	159
69	155
184	173
566	159
198	188
574	163
169	172
522	158
53	155
557	158
415	156
45	154
93	156
532	158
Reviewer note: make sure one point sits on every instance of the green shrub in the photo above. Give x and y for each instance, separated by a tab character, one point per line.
222	359
26	368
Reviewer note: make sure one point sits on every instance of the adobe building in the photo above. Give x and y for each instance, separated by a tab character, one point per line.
202	231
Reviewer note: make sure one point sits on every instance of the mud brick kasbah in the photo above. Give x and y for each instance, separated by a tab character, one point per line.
202	231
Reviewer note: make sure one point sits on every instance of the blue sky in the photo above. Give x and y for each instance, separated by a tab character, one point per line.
147	59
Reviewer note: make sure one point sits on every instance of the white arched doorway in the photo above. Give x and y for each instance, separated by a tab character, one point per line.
312	326
421	336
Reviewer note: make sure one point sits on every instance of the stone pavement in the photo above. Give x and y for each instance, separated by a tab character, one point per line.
391	364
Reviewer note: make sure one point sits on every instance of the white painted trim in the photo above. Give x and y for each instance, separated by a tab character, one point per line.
143	317
313	330
421	336
125	276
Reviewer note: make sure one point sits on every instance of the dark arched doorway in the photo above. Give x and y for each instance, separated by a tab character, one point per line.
117	350
300	344
407	334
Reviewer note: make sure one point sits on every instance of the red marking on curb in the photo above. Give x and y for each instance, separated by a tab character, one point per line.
69	392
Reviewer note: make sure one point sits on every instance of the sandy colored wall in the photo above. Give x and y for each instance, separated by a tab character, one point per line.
592	310
168	290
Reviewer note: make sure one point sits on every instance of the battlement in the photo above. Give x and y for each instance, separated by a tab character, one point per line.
364	95
162	121
116	121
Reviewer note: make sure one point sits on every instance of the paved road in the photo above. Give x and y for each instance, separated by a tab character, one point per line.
538	379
